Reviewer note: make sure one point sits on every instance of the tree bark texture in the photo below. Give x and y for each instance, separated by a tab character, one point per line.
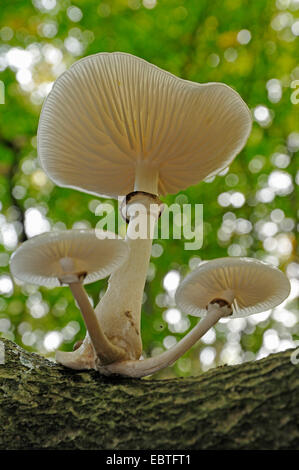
46	406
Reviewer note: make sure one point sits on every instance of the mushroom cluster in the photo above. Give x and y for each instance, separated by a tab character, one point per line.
115	125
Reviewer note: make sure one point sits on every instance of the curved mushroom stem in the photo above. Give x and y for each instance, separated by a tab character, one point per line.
83	357
96	343
154	364
120	308
105	350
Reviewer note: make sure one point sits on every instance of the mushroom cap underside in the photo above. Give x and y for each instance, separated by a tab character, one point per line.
94	254
111	113
253	285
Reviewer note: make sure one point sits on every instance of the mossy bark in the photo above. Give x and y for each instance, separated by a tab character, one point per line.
249	406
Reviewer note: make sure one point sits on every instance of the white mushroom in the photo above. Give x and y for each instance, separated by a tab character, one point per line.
73	257
248	285
219	288
113	124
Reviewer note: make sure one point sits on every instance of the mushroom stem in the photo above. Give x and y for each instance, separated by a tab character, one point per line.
146	178
119	310
154	364
105	350
82	358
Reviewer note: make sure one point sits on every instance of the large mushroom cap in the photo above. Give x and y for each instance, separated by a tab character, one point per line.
38	260
113	112
251	285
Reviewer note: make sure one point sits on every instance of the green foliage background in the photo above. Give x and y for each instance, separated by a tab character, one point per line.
198	40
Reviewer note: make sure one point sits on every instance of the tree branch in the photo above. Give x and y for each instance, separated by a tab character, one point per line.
250	406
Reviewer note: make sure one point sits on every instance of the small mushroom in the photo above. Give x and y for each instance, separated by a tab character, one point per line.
114	124
247	285
73	257
225	287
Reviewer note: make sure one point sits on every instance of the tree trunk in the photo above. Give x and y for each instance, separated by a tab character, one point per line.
46	406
